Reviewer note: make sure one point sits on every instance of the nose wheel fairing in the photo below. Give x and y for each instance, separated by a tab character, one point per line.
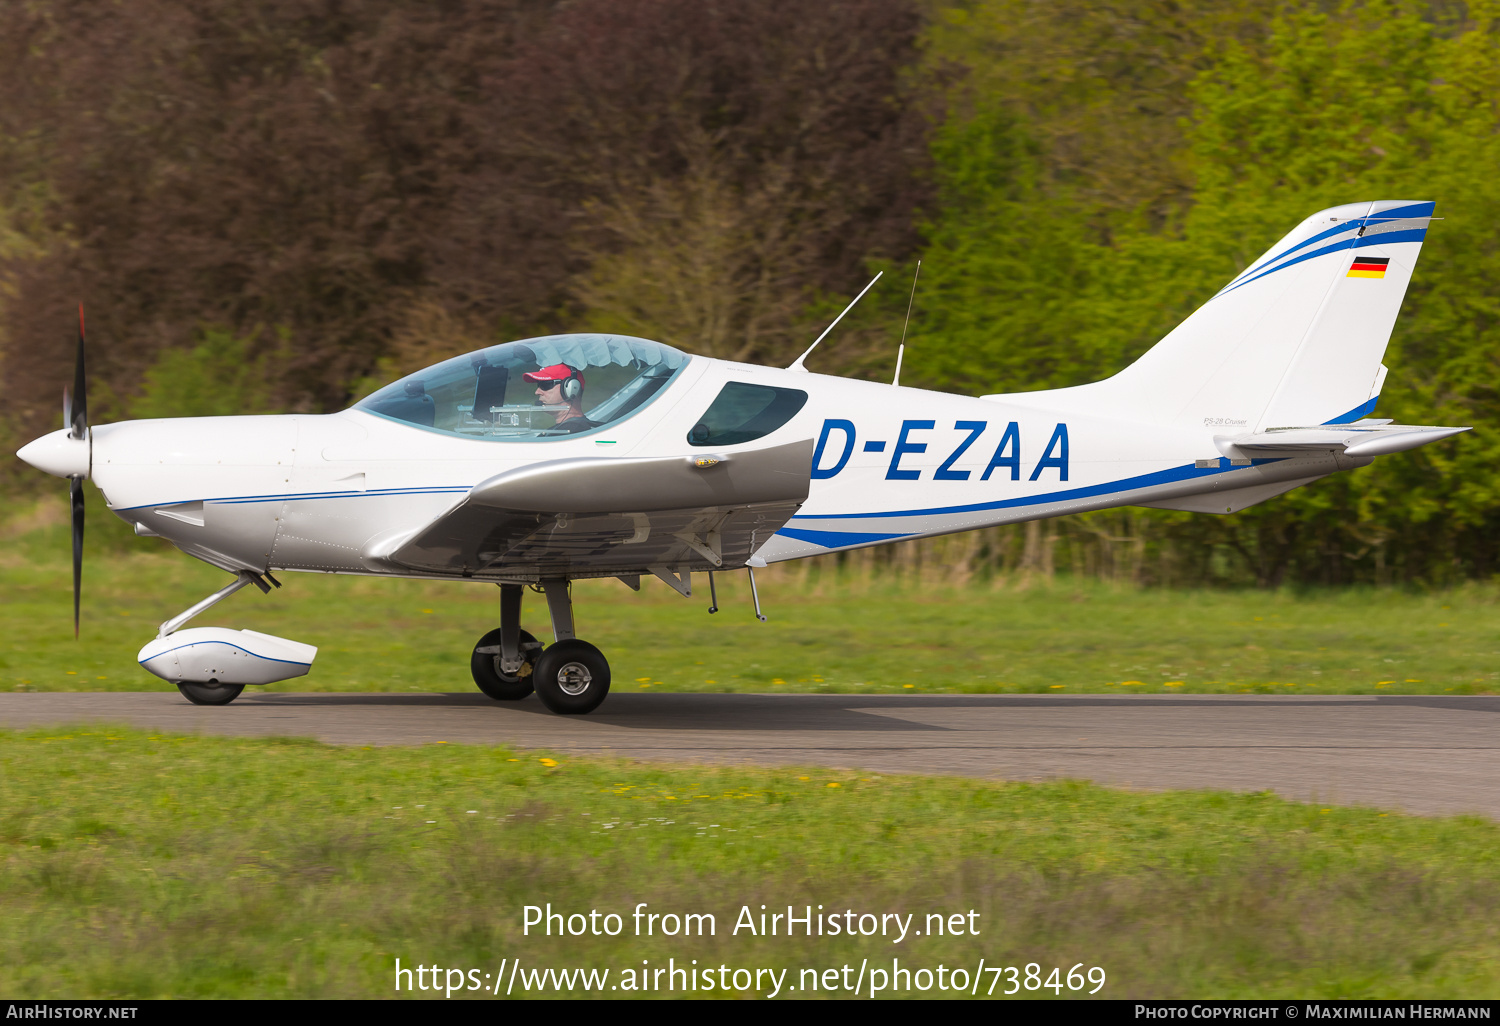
224	656
211	665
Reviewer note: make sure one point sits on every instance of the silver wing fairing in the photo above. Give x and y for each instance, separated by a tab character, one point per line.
604	517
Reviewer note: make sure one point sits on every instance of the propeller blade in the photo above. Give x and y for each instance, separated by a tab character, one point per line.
77	404
76	420
75	489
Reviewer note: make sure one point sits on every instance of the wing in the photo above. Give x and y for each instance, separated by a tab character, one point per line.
603	516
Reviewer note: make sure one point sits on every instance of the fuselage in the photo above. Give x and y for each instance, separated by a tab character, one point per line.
549	459
328	493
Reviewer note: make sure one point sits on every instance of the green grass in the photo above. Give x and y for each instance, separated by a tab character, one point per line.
141	865
824	633
145	865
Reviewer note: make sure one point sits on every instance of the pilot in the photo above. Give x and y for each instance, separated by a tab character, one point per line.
560	389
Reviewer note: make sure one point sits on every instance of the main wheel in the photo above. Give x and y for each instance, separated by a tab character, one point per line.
499	685
211	693
572	677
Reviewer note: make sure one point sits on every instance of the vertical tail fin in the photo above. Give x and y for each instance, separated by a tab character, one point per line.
1295	339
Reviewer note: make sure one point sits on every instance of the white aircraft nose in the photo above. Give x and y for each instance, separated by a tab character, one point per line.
58	454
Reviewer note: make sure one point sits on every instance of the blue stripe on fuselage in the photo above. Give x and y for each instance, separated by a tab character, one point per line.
1187	472
836	539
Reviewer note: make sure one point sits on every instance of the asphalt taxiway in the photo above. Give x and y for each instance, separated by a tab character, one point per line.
1420	754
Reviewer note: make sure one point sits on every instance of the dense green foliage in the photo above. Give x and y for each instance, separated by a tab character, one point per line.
327	183
1045	270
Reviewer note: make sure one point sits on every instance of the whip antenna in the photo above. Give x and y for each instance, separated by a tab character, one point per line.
901	350
797	363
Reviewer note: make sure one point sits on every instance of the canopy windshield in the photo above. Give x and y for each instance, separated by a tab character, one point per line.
556	386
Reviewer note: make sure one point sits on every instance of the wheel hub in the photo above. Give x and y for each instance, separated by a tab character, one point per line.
574	679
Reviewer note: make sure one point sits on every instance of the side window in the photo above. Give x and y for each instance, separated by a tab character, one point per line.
743	413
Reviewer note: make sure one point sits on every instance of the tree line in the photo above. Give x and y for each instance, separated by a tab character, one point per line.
278	204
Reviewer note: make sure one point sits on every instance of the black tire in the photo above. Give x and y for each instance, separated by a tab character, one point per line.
485	666
211	693
572	677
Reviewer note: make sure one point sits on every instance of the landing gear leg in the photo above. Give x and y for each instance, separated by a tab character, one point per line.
560	606
504	661
571	676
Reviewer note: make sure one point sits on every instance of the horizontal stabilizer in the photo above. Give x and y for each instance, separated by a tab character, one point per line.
1363	438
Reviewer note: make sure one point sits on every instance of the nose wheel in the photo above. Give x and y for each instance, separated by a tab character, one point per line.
209	693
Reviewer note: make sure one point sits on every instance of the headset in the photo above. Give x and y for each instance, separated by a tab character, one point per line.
572	386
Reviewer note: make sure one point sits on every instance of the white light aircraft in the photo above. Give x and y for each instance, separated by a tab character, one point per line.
554	459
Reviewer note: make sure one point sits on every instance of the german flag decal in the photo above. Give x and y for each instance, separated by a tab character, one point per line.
1369	267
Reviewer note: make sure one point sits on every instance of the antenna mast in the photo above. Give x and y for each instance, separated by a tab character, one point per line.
797	363
901	350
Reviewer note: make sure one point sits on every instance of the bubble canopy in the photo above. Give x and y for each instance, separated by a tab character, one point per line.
588	383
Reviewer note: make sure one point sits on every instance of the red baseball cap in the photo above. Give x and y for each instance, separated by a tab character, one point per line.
557	372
